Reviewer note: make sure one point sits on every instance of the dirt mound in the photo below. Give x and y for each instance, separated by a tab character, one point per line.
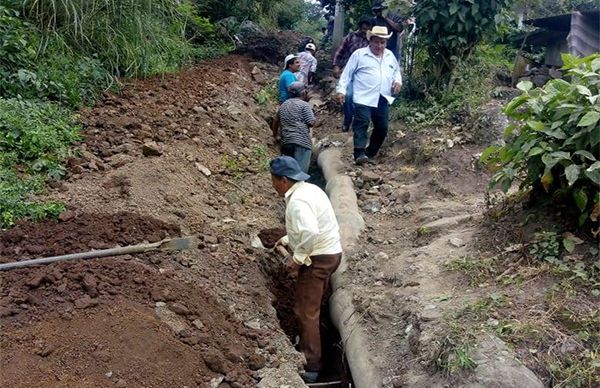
270	47
79	233
60	315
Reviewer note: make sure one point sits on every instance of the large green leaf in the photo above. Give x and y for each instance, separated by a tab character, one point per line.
590	118
525	86
581	199
585	154
593	173
552	158
572	173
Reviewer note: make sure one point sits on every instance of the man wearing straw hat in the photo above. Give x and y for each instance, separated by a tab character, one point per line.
375	76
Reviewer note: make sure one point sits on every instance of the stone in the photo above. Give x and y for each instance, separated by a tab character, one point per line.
497	367
198	324
119	160
179	308
456	242
36	281
256	362
215	362
369	176
430	313
86	302
253	324
152	148
210	239
203	169
66	215
120	383
90	285
199	109
381	256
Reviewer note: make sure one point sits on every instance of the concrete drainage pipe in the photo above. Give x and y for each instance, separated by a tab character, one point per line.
343	199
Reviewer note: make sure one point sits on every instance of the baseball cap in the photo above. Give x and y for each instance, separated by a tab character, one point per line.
311	46
288	167
287	59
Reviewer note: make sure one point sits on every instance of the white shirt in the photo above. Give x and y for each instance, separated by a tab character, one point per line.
370	76
312	228
308	64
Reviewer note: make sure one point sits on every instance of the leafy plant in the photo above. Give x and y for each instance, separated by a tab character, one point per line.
34	141
554	140
451	30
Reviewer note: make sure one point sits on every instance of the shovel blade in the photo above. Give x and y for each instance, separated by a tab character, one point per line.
179	244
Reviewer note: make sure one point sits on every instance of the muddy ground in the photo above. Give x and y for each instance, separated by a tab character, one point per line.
186	155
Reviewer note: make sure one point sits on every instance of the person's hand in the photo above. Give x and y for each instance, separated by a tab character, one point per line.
410	20
292	266
337	71
341	98
396	87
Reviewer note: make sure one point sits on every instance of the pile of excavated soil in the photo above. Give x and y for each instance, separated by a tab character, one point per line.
182	154
81	233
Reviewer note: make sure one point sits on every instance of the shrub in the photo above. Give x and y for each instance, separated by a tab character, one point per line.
33	67
34	141
553	142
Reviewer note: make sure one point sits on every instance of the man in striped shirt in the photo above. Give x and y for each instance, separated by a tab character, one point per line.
292	125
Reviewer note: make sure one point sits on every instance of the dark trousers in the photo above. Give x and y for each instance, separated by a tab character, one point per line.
312	284
362	116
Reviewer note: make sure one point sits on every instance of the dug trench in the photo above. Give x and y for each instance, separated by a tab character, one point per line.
181	155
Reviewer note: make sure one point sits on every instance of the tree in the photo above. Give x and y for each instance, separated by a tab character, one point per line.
451	29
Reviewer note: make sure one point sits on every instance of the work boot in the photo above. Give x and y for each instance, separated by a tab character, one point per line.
361	160
310	377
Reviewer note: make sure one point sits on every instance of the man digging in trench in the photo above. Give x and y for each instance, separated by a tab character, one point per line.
313	236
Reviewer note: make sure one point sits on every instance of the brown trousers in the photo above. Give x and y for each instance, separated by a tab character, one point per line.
312	284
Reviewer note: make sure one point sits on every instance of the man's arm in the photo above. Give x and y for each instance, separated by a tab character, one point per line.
275	125
397	82
396	25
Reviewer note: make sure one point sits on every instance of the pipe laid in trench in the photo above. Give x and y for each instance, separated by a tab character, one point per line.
343	315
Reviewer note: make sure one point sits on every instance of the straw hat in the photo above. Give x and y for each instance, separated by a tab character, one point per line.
379	31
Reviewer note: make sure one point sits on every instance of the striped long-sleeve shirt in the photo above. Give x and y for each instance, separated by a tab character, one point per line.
296	116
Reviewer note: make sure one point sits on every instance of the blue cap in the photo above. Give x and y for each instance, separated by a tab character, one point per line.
288	167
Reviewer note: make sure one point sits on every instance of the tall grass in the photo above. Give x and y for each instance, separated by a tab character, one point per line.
131	37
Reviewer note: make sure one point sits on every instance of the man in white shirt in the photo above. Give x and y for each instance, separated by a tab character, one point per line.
313	236
375	76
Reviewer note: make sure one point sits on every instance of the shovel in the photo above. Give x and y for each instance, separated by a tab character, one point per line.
256	242
173	244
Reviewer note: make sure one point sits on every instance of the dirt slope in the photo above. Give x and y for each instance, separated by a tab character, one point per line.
180	155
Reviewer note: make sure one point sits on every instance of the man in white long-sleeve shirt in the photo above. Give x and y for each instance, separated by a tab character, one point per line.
375	76
313	235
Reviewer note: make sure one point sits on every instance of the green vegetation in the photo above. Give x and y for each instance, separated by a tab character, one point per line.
471	85
451	30
34	141
58	56
551	147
